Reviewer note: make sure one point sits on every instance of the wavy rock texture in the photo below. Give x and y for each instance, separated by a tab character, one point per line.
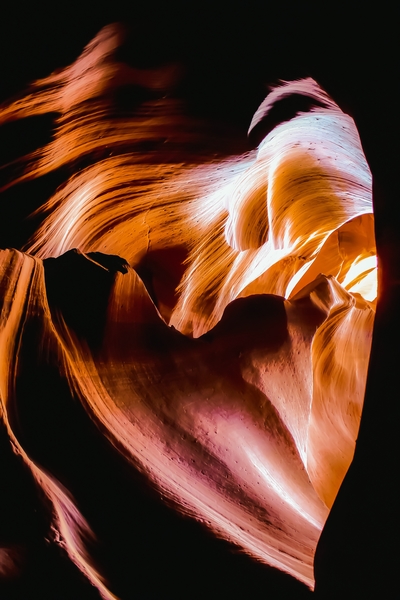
225	355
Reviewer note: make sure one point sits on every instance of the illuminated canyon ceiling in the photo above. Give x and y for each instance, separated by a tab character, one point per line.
210	308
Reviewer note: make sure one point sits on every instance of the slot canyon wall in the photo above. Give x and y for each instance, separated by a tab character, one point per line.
187	320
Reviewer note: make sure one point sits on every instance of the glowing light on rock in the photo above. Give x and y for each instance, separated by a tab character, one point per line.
240	314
